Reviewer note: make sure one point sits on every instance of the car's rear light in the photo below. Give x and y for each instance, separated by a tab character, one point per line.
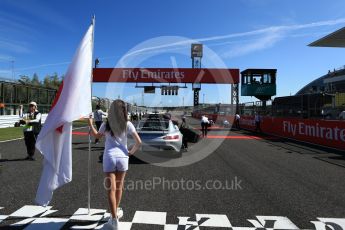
171	137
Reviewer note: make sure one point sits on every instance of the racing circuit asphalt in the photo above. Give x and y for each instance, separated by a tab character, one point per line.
277	177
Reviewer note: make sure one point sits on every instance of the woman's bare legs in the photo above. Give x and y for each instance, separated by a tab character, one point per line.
120	177
110	183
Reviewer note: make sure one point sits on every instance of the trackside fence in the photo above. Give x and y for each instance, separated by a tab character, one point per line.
9	120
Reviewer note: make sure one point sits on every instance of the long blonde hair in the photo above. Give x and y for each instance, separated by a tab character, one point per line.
117	118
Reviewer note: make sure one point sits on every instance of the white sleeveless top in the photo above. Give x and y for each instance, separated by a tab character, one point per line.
112	142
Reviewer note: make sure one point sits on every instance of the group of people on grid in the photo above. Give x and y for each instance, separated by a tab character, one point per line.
116	154
31	121
205	123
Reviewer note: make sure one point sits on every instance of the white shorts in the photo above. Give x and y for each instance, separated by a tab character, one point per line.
114	164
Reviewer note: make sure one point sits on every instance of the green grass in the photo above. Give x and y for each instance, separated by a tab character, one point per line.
11	133
17	132
80	123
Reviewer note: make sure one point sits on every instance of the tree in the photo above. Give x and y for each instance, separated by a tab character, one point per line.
25	79
55	81
52	82
47	82
35	80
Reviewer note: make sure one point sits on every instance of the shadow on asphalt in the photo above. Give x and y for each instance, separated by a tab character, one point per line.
293	143
329	155
216	130
338	158
152	157
14	160
68	225
86	148
80	143
334	160
135	160
132	160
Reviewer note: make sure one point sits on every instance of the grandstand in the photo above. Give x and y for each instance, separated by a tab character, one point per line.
304	105
323	97
332	82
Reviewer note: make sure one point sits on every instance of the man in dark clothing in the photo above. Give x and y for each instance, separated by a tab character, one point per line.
204	125
32	126
183	128
257	119
237	121
98	116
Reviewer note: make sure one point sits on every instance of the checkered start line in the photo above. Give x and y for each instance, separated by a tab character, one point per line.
31	217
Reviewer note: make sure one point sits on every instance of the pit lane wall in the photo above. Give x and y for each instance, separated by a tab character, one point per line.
330	133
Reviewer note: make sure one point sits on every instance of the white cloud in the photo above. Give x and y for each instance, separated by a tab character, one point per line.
13	46
267	38
17	30
264	42
242	43
5	73
40	10
13	29
6	58
43	65
11	25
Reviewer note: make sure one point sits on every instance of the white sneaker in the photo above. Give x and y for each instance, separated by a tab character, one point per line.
119	213
112	224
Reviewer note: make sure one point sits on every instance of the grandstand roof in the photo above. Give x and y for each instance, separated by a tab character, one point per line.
6	79
335	39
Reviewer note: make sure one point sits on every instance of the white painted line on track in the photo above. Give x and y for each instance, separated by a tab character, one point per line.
22	222
30	211
207	221
47	223
158	218
2	217
16	139
83	214
11	140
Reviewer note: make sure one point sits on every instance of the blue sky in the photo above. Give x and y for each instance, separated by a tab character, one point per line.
41	37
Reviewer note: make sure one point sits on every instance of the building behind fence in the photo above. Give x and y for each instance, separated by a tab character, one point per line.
13	94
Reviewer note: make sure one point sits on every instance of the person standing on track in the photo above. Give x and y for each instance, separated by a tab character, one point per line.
183	129
237	121
204	125
98	116
32	126
116	155
257	119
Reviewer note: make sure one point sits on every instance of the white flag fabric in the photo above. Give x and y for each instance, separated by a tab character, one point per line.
72	102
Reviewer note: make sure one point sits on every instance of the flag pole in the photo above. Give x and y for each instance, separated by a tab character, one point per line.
89	176
89	154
